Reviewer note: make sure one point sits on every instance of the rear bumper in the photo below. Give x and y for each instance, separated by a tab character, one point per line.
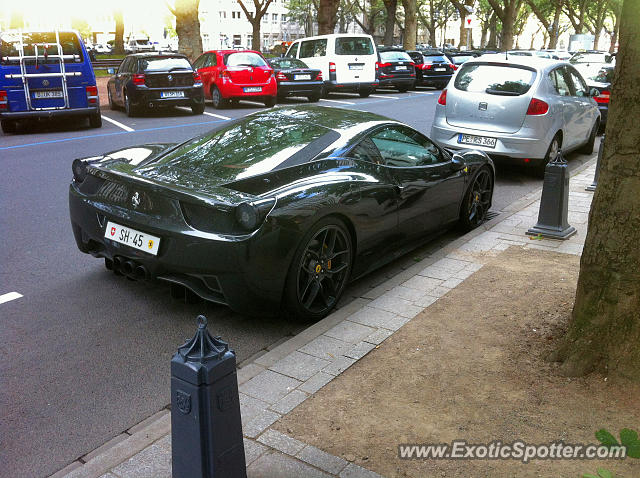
232	90
431	80
152	96
302	88
50	113
521	144
407	82
333	85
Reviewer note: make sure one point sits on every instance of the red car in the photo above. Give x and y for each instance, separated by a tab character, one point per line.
232	75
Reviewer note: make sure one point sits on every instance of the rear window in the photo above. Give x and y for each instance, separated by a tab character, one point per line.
494	79
288	63
436	59
591	58
164	64
10	45
459	60
394	56
243	149
354	46
244	58
142	42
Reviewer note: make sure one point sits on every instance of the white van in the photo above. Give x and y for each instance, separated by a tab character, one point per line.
347	61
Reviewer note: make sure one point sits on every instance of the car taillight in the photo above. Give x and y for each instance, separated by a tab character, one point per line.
281	76
225	74
319	77
332	67
4	102
537	107
92	94
602	98
384	65
455	67
442	100
196	77
427	67
138	79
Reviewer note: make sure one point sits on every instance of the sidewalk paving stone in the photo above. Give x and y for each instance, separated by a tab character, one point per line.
299	365
277	465
321	459
327	347
354	471
351	332
250	407
281	442
339	365
378	318
152	462
269	386
380	335
316	382
253	450
260	422
360	350
397	305
289	402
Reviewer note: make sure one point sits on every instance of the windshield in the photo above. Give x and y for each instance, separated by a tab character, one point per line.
494	79
142	42
237	151
591	58
164	64
10	46
394	56
285	63
459	60
354	46
244	59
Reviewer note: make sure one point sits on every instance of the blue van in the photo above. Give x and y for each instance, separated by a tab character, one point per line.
46	75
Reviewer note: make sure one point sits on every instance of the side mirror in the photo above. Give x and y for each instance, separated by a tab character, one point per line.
457	162
111	71
594	92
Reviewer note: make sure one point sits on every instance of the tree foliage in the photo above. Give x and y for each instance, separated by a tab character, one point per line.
255	18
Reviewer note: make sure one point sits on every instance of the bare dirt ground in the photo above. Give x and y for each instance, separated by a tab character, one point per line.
472	367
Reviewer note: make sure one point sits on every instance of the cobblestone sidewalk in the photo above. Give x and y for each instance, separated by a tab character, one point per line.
276	382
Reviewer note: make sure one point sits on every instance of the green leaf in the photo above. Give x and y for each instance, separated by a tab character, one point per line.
606	438
629	438
605	473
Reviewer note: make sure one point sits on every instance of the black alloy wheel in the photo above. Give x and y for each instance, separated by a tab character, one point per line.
477	200
319	271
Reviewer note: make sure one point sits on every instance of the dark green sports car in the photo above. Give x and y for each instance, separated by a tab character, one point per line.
275	211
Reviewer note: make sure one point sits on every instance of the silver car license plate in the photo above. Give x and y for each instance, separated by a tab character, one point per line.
476	140
172	94
356	66
401	67
439	69
301	77
253	89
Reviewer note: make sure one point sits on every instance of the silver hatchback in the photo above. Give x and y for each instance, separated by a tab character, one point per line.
522	108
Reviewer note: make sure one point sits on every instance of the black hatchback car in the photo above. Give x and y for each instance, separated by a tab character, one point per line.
154	80
295	78
433	68
396	69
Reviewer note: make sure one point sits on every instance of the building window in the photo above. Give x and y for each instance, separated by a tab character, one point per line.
283	18
274	17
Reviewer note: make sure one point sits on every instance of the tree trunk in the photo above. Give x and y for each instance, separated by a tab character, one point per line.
604	330
507	27
118	44
188	28
390	23
614	37
256	40
410	24
493	33
555	28
327	16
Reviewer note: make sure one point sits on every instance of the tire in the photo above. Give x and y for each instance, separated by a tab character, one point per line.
477	200
319	271
95	120
588	147
364	93
552	152
112	105
8	126
270	101
217	99
314	98
403	89
197	108
129	109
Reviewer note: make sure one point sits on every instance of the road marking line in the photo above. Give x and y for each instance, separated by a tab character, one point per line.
216	116
339	101
117	123
385	97
10	296
426	92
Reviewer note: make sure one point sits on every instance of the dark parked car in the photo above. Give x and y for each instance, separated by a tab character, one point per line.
433	68
396	69
277	210
295	78
155	80
459	57
602	83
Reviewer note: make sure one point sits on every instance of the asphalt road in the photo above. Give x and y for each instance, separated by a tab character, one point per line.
85	354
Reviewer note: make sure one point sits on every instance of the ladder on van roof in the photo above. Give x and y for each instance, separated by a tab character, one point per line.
24	76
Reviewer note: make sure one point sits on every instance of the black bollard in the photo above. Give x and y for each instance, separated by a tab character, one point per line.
554	205
206	430
592	186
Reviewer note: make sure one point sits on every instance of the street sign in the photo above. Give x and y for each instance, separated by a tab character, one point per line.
471	21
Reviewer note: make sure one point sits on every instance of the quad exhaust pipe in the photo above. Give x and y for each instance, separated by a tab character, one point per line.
129	268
